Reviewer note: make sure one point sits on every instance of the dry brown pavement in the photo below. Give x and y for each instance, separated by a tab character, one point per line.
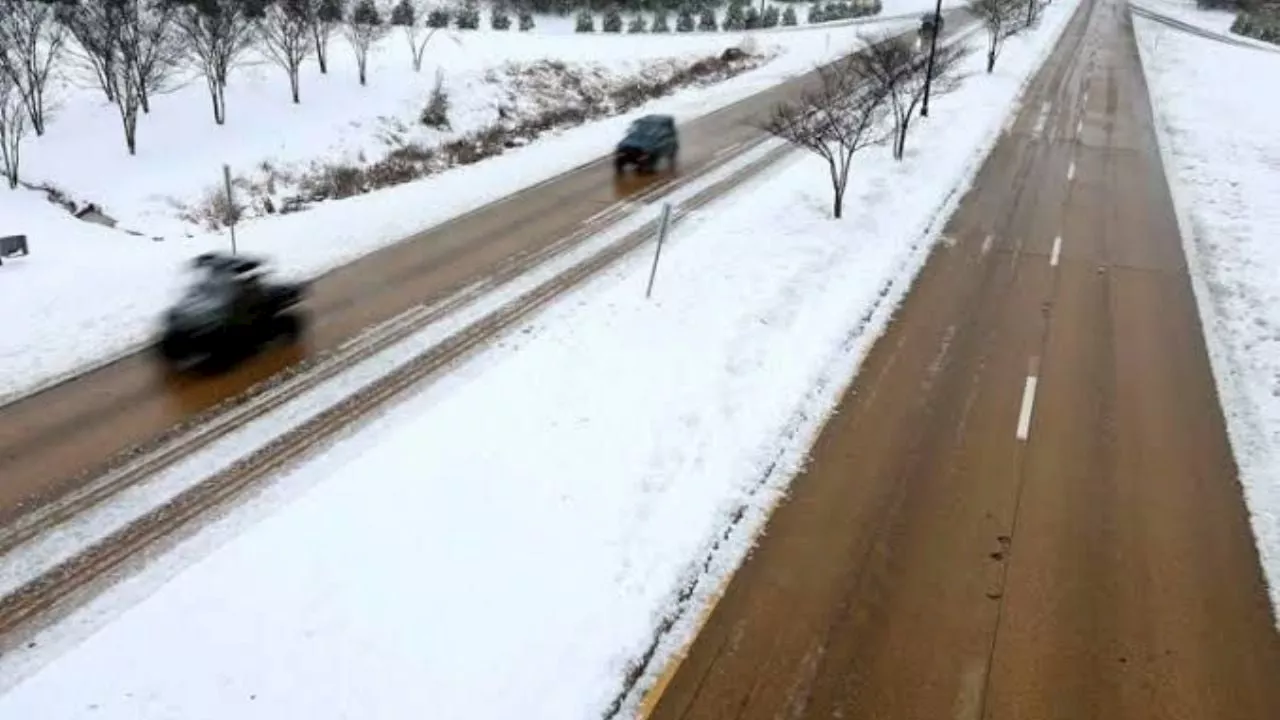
1026	506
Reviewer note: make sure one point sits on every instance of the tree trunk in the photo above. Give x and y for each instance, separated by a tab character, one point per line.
144	98
293	85
34	104
321	56
991	61
362	59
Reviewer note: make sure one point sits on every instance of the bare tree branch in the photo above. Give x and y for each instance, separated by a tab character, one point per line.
31	42
287	34
365	28
13	126
406	15
215	34
326	16
897	68
999	18
119	43
836	119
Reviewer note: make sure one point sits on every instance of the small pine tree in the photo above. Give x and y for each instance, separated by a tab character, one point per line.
366	14
500	17
684	21
735	18
661	23
403	14
753	18
586	22
468	17
707	22
637	24
815	13
436	113
438	17
789	16
612	21
770	17
526	19
835	11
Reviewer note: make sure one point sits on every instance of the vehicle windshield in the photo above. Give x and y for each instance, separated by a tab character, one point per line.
645	129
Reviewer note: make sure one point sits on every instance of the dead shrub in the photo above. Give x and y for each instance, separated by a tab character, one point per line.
410	161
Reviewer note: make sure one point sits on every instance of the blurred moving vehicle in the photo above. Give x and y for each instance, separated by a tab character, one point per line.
229	313
648	140
930	23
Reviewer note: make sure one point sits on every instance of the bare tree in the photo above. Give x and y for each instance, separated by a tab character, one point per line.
1033	12
405	15
31	42
898	70
108	33
999	17
326	16
363	30
216	33
95	31
842	115
287	34
149	45
13	126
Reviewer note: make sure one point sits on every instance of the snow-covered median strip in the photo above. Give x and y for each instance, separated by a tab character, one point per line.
1225	177
505	544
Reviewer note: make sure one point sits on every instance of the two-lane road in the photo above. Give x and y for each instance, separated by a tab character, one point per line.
1026	506
51	441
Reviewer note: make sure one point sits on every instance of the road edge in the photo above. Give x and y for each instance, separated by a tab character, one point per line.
710	574
1245	431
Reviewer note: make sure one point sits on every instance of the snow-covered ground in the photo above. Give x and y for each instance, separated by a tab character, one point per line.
504	544
1222	154
1218	21
88	294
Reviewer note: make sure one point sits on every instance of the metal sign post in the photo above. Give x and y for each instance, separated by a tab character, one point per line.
663	224
231	206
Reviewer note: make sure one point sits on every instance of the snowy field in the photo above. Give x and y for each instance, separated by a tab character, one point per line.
1218	21
1226	181
504	544
66	326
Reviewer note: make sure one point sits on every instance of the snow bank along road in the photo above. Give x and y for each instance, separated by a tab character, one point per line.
1227	39
1026	506
69	449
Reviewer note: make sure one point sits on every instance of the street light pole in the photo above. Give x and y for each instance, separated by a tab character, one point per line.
933	47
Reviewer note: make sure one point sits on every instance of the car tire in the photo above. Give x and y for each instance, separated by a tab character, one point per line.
289	327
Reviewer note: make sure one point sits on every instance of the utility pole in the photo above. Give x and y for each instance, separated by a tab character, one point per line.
933	47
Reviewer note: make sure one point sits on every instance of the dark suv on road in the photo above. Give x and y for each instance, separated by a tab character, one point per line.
929	24
229	312
648	140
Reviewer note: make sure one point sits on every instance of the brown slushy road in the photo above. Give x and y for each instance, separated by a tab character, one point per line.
52	441
1026	507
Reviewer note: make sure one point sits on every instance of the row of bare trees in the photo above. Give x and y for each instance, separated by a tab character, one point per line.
133	50
871	98
867	99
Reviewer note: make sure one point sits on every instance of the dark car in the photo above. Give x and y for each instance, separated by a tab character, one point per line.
228	313
930	23
648	140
